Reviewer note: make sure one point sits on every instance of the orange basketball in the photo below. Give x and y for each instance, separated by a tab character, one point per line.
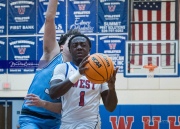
100	68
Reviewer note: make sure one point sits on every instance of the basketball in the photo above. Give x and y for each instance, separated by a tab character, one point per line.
100	68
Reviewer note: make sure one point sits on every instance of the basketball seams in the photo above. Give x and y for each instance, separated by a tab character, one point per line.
100	69
103	64
95	71
94	79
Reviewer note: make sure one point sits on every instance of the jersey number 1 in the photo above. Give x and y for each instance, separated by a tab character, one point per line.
82	94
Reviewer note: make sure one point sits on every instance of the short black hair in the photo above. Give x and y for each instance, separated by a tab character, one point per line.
77	36
64	37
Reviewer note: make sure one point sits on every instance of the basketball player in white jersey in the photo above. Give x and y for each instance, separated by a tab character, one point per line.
81	98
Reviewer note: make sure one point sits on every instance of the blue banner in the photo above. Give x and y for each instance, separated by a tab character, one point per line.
21	52
114	47
22	17
141	117
93	43
3	53
60	18
3	19
82	15
40	46
112	16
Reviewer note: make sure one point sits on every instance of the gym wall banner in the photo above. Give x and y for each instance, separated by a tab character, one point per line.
22	55
3	55
3	19
141	117
112	16
82	15
22	17
60	18
114	47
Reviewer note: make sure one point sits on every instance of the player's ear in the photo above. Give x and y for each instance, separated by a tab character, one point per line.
61	47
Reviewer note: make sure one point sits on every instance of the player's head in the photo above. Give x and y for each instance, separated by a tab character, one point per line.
63	43
65	38
79	47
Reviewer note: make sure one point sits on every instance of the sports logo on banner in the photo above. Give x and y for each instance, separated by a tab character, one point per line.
21	10
111	8
112	45
21	50
81	7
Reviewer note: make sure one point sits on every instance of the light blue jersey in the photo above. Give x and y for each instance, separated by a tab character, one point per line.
40	86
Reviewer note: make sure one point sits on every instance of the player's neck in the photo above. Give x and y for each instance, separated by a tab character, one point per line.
76	63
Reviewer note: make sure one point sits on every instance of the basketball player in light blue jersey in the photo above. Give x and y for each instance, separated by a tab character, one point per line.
39	111
80	97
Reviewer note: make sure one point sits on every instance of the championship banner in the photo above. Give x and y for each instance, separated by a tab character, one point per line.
112	16
22	55
82	15
60	18
21	17
141	117
3	19
3	54
114	47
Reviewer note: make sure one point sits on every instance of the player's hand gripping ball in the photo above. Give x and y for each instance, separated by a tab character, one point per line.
100	68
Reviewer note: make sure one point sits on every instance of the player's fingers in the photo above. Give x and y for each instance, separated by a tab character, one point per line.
84	63
113	76
115	71
85	60
30	103
28	98
31	95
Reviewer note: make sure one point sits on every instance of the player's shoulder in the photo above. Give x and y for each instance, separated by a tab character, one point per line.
61	65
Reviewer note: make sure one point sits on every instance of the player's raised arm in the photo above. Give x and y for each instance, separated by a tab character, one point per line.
50	45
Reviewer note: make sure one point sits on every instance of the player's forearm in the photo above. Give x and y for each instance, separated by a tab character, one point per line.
59	88
51	9
53	107
111	100
50	46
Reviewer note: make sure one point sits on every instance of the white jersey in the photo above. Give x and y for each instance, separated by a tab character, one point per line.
81	102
